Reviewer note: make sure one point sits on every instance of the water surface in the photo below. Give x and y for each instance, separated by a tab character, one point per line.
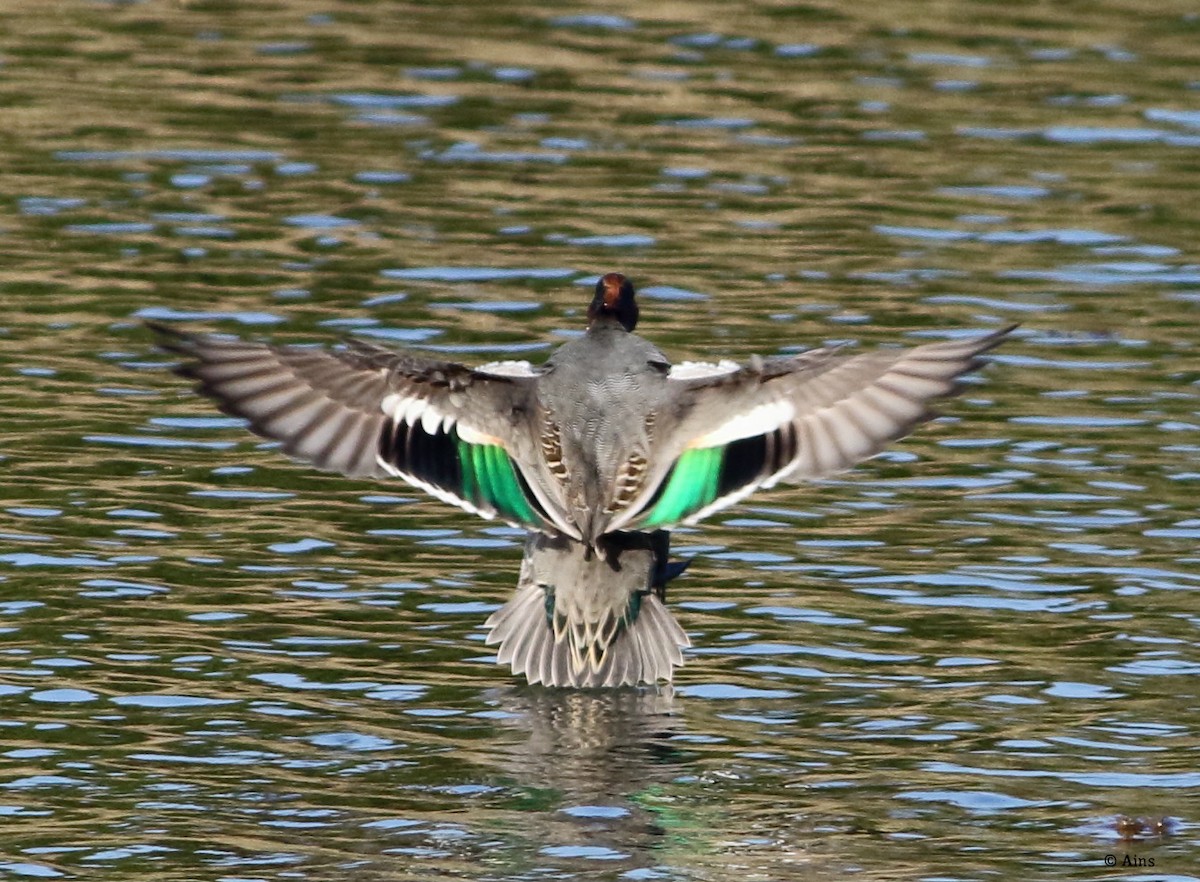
967	659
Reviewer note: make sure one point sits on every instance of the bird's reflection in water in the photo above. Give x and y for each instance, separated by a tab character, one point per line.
596	761
591	744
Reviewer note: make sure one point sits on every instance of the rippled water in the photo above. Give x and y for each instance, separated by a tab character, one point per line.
968	659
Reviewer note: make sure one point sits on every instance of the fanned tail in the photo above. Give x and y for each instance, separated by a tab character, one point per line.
583	620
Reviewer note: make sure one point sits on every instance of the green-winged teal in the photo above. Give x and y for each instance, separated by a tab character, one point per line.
594	450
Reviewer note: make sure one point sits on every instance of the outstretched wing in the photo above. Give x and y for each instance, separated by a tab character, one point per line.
364	411
735	428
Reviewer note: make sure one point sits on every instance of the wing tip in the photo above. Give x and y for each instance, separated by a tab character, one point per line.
169	338
989	341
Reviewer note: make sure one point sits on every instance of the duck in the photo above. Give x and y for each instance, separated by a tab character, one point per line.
597	453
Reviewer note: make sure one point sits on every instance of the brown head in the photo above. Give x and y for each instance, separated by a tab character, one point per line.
614	300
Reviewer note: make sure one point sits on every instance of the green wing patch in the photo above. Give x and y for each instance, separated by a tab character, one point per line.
483	476
489	477
690	485
703	476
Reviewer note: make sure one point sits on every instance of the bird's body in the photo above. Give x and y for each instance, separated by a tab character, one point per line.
601	447
600	392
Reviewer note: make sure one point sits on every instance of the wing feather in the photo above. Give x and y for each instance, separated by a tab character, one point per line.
365	411
810	416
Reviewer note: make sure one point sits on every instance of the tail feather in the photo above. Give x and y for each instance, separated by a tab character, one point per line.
647	651
663	637
515	645
583	620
